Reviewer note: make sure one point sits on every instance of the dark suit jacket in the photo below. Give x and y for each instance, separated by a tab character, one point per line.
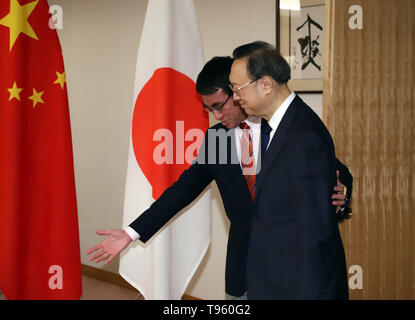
222	166
295	249
235	196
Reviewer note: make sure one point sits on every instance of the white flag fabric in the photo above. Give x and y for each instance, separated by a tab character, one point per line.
170	56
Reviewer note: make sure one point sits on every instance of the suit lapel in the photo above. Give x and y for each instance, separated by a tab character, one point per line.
277	142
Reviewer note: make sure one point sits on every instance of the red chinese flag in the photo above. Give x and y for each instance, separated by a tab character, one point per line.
39	238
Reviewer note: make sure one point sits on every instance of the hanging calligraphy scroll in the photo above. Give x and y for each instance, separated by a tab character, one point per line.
302	42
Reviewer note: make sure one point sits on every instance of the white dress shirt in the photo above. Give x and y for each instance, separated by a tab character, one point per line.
278	115
132	234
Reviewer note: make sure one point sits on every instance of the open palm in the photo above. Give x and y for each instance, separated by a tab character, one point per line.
108	249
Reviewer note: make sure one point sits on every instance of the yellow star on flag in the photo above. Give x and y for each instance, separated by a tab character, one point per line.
14	92
36	97
61	79
17	22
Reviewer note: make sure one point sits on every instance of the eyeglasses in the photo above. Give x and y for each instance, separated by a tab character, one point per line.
214	107
236	90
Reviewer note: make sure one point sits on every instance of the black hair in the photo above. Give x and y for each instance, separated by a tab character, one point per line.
264	60
215	76
246	49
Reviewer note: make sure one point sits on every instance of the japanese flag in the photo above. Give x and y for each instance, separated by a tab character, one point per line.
170	56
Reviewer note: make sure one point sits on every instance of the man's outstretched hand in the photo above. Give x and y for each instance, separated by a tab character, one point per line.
108	249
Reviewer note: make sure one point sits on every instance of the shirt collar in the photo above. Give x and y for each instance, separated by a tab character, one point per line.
253	122
279	113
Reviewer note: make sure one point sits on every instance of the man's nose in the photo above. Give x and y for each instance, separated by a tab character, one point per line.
235	97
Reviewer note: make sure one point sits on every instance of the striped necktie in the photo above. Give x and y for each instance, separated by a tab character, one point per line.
247	159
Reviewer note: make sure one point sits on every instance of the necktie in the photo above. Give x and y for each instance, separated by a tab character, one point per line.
265	133
247	159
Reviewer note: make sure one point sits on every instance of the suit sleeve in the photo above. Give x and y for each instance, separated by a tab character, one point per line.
316	217
188	187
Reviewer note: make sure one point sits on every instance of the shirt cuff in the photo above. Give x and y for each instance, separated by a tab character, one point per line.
132	234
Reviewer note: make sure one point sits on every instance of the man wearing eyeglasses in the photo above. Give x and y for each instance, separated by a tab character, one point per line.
295	249
212	84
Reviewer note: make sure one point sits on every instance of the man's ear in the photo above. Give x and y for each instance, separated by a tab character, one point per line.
266	84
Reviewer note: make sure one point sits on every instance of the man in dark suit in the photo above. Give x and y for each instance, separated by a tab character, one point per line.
212	84
295	249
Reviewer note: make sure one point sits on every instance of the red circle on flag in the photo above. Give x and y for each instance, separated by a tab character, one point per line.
167	106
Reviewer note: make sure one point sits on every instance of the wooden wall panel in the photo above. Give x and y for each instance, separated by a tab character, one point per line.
369	108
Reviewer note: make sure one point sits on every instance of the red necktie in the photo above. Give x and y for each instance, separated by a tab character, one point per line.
247	159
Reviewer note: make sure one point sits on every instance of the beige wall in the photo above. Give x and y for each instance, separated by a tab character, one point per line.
99	42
